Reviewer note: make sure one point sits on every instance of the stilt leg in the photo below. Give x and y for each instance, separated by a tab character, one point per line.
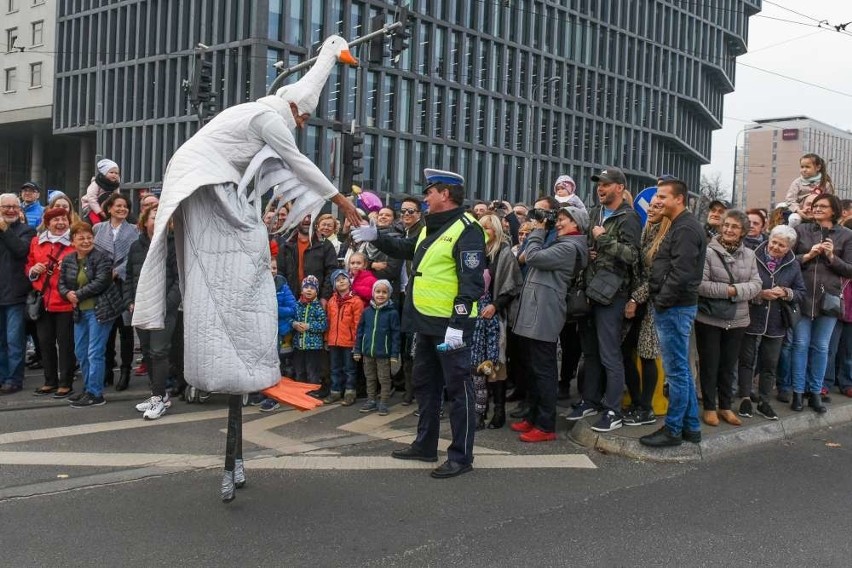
239	466
234	418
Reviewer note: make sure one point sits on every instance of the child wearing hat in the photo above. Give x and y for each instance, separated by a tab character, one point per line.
344	312
309	326
105	181
378	342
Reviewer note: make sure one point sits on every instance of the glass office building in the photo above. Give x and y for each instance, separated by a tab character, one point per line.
509	93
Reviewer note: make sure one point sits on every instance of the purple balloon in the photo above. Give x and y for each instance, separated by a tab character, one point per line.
369	201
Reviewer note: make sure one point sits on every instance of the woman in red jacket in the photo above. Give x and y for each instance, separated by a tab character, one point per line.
55	327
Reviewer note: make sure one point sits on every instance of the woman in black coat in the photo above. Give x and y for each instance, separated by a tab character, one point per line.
770	316
86	282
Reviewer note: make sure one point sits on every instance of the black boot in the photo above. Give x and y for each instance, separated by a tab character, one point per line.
123	379
498	419
109	376
816	403
796	404
480	421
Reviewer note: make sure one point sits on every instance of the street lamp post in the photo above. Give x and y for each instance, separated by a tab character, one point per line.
530	143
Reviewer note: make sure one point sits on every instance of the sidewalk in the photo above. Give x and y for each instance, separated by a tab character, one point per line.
137	391
716	441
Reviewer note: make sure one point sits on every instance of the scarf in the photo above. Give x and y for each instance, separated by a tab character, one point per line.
772	262
813	180
731	248
106	184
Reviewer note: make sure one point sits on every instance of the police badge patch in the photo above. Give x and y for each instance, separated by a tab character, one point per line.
471	259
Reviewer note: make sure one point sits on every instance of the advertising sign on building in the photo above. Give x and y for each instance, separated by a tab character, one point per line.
790	134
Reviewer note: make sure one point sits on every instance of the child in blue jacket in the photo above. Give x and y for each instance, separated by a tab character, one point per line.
377	342
286	312
309	327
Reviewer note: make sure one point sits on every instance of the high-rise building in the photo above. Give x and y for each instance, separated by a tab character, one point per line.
28	151
768	161
510	93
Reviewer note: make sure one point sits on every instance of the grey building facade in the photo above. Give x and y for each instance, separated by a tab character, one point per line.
510	93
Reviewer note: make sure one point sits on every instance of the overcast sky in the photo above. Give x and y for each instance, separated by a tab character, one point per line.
808	54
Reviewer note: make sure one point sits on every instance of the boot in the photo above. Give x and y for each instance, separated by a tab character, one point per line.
498	419
796	404
480	422
109	376
816	403
123	379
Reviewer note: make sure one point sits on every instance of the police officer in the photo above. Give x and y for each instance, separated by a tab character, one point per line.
440	307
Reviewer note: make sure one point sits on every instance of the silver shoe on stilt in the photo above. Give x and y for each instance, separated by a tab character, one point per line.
239	473
228	489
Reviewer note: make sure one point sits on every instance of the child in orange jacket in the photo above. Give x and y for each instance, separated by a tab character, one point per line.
344	310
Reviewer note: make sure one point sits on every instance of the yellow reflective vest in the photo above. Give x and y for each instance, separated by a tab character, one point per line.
436	282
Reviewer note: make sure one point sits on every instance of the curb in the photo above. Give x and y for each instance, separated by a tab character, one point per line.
718	445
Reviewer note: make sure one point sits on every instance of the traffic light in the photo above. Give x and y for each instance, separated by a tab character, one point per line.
202	82
351	160
377	44
399	41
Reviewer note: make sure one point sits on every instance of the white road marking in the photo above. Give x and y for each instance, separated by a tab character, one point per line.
191	461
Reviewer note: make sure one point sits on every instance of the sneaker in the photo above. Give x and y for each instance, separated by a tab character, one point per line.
369	406
766	411
348	398
333	396
383	409
148	404
523	426
158	408
536	435
848	392
746	408
76	397
141	370
608	422
88	400
269	405
581	411
640	417
256	399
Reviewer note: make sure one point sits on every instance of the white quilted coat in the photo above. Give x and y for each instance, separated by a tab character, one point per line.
230	312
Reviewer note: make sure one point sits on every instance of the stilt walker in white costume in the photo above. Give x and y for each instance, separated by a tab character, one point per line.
229	303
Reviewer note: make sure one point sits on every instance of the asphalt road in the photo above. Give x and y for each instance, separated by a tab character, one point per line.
781	505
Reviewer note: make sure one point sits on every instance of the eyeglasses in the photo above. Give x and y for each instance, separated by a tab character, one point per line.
8	206
408	211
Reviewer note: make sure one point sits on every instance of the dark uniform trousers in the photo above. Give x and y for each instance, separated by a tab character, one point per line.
432	371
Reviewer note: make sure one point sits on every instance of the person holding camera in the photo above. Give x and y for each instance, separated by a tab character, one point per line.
542	310
824	250
55	326
614	242
441	307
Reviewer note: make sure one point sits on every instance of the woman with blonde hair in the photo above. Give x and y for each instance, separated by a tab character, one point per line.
59	199
503	283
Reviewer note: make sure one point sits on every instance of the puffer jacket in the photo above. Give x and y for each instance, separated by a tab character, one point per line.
715	282
378	332
542	308
51	255
344	313
287	306
312	314
98	265
765	315
362	285
820	275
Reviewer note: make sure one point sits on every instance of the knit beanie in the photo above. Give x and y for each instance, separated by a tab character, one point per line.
385	283
106	165
310	281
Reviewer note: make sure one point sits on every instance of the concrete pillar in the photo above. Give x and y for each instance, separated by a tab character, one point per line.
37	164
87	166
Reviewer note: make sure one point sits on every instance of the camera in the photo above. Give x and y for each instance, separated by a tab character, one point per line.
546	216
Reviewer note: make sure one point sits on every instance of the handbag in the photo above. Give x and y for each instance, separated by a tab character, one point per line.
720	308
831	305
790	313
35	305
603	286
576	301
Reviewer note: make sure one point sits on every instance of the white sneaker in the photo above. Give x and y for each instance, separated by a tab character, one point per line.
143	406
158	408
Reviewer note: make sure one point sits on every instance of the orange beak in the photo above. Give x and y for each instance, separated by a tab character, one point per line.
347	58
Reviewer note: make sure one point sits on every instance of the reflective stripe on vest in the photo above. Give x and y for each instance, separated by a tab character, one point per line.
436	282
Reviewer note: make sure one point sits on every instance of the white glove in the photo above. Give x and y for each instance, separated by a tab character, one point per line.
454	338
365	233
